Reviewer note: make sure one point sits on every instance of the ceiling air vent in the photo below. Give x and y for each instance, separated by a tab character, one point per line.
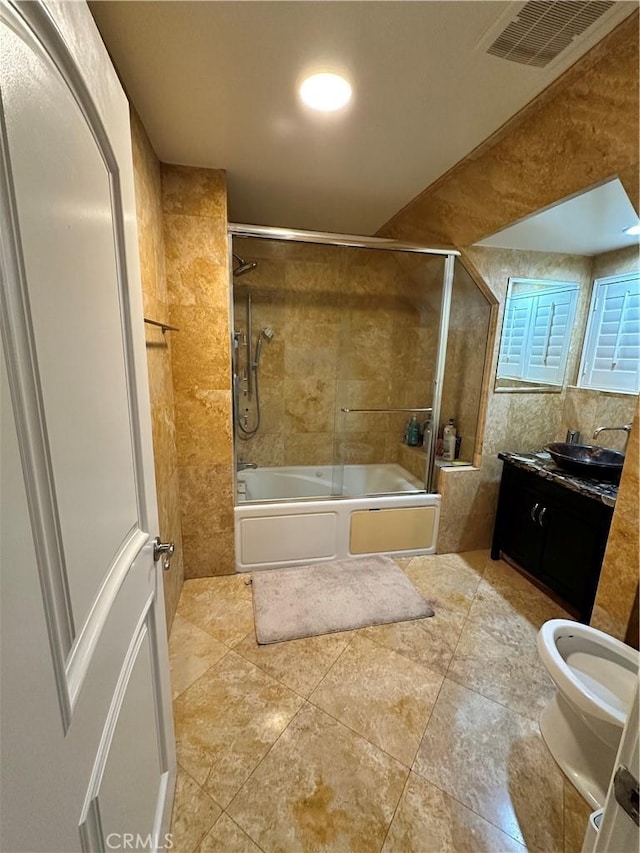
544	28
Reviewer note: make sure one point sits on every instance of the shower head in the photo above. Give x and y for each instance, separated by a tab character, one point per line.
266	334
244	266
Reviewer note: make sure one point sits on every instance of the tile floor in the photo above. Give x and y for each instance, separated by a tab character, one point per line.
405	738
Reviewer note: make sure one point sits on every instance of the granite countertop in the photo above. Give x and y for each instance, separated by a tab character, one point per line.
543	465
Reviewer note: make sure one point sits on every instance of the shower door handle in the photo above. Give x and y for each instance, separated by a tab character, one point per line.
348	411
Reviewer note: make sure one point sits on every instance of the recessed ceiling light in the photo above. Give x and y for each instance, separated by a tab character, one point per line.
633	230
325	92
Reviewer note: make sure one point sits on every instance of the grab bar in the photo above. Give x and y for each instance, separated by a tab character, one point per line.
385	411
164	326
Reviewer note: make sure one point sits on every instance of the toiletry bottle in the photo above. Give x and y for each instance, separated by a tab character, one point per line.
458	445
449	437
426	433
413	432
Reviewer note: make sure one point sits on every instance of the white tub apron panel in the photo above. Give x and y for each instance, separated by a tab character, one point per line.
282	538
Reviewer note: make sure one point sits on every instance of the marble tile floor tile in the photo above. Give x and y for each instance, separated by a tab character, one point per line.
299	664
335	790
194	813
514	678
407	738
223	610
226	722
494	761
191	653
431	641
225	836
381	695
430	821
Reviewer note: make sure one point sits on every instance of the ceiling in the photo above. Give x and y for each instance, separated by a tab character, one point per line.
588	224
215	84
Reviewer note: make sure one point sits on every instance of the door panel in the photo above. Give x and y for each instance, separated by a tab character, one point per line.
63	200
87	736
127	727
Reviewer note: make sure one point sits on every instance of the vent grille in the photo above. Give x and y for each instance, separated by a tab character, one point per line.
544	28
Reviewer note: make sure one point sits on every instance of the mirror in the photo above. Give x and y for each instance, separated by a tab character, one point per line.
536	333
548	263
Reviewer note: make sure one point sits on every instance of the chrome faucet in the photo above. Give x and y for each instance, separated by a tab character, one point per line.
242	466
625	428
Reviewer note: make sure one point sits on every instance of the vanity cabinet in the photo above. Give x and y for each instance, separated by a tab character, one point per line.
555	534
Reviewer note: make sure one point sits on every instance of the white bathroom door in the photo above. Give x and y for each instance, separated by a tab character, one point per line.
619	832
87	751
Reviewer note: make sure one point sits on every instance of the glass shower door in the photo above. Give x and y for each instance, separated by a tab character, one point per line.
390	345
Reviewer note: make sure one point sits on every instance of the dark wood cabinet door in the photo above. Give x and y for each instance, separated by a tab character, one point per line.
556	535
574	543
520	535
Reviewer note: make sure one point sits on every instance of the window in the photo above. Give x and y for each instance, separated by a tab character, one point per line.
611	352
536	332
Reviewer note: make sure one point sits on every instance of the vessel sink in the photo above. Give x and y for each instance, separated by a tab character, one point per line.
588	460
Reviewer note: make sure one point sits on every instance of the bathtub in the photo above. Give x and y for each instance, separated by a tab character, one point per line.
290	515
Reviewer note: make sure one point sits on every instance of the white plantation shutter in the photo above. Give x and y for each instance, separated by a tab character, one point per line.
514	337
537	332
551	325
611	353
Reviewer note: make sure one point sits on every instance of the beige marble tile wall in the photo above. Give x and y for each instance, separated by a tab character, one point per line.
295	290
195	233
513	421
159	354
616	263
619	578
591	112
351	330
586	410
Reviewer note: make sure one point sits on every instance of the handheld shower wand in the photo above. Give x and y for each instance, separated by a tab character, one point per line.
266	334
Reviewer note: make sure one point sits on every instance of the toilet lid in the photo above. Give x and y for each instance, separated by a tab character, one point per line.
608	680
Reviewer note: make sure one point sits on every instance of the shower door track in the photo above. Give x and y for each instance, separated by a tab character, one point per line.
355	241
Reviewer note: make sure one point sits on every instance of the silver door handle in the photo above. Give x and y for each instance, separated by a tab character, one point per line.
534	509
164	551
541	515
627	795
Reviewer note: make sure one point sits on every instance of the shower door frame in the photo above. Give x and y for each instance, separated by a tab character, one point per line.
355	241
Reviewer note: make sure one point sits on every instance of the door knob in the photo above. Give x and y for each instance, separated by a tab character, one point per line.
164	551
625	788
